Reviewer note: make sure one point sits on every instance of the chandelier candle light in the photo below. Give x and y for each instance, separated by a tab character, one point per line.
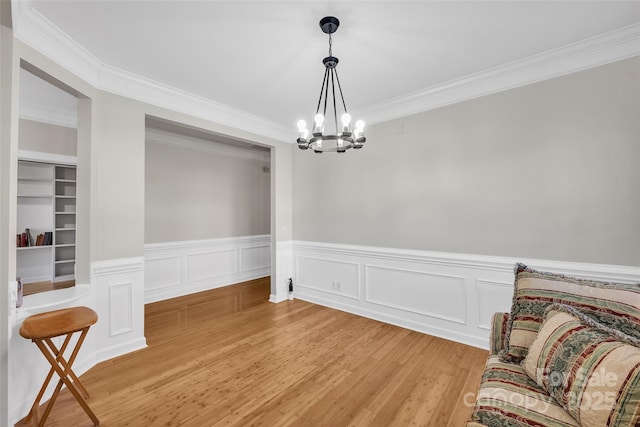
344	138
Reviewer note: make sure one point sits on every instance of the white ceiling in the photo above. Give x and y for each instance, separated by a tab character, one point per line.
264	57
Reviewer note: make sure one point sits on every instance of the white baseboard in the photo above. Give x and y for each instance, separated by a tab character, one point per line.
277	298
403	322
175	269
448	295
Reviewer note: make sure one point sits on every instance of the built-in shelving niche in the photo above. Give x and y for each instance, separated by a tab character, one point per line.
46	206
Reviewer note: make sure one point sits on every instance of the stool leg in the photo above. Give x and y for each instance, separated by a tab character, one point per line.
64	376
47	410
67	365
59	358
36	404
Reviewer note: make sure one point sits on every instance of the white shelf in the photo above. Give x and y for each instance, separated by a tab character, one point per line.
34	179
73	181
30	248
35	196
65	229
65	245
65	261
65	213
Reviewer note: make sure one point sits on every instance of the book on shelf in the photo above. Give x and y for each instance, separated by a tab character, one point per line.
30	241
26	240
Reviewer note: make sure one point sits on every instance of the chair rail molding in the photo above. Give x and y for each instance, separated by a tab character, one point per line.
449	295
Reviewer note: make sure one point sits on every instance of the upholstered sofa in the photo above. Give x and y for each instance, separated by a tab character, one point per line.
568	354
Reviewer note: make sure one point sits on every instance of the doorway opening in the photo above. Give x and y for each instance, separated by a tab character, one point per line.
207	210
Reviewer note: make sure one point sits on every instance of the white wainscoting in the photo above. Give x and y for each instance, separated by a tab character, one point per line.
118	285
284	271
449	295
174	269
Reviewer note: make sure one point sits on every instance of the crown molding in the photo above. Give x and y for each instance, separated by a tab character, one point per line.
206	146
605	48
36	31
134	86
51	114
42	35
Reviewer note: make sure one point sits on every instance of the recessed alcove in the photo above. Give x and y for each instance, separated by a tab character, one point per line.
51	197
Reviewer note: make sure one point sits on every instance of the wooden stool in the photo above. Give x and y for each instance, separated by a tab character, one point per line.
40	328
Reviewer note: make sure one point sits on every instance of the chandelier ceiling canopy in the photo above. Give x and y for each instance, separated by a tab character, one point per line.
344	137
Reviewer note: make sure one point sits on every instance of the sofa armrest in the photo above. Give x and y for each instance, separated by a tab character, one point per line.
498	331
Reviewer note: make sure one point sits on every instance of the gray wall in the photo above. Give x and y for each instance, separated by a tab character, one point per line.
549	171
194	194
47	138
117	195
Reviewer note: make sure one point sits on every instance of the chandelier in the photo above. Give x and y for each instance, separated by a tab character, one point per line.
343	138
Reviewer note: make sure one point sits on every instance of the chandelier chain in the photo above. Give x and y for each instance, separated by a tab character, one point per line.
330	43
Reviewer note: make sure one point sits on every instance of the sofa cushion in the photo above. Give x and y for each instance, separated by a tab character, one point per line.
613	304
509	398
499	323
590	369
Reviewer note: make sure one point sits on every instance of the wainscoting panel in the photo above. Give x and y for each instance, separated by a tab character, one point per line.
334	277
449	295
492	297
120	308
119	287
255	258
179	268
209	265
429	294
163	272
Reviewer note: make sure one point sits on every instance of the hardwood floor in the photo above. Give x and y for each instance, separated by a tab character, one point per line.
230	357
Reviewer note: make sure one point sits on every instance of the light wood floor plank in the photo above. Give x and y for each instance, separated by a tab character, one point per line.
228	357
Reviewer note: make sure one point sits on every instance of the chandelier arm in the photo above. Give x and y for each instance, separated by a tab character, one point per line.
326	93
344	105
324	80
333	90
